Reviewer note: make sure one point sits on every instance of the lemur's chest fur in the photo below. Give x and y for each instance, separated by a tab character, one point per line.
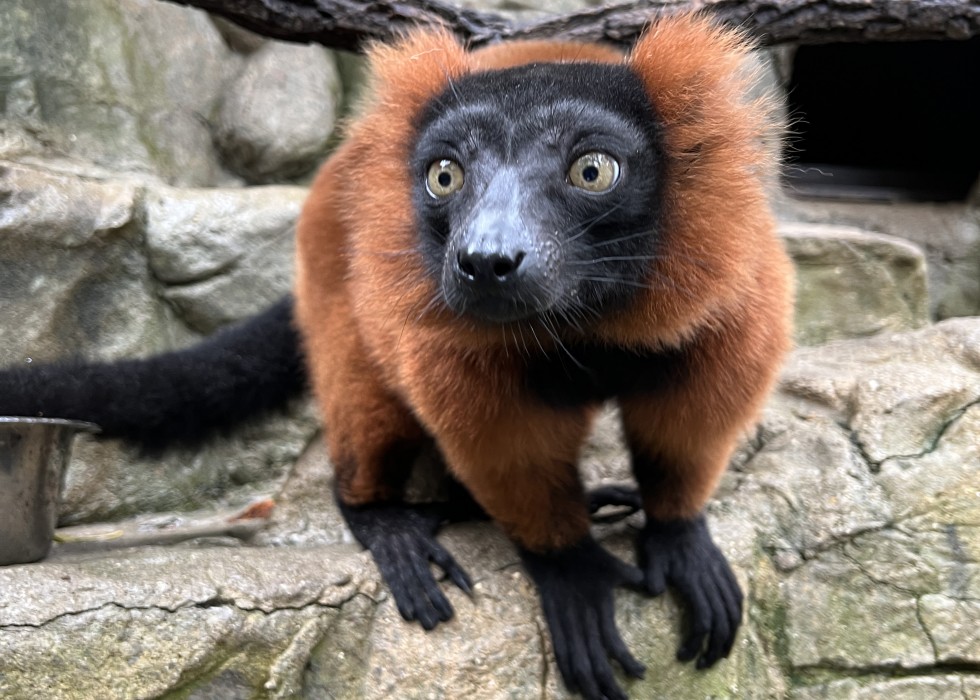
583	374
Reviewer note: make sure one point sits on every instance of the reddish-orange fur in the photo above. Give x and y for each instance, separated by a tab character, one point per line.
388	366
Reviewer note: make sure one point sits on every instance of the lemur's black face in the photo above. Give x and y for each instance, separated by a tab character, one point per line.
536	190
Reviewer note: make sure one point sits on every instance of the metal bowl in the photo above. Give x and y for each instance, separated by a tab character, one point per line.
33	455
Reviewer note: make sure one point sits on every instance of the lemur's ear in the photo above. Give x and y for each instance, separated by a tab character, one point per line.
408	73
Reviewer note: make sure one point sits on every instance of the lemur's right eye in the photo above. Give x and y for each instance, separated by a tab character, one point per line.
445	177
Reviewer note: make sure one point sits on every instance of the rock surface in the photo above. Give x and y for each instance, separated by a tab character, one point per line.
120	84
276	117
949	234
851	283
147	87
860	554
221	254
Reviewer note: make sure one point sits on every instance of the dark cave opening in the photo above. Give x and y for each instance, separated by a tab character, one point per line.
885	121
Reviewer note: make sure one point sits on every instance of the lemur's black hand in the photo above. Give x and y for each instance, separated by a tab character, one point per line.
681	553
401	538
576	588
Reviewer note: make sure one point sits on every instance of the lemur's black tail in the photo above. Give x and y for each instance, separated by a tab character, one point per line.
177	397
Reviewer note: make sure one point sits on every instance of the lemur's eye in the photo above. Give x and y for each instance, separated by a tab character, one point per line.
445	177
594	172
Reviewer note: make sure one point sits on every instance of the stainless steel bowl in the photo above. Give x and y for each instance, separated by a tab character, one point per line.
33	455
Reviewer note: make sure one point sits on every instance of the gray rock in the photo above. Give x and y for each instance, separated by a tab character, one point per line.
238	38
948	233
924	688
527	9
109	480
126	84
816	489
852	284
145	87
952	627
305	511
276	118
899	594
74	277
222	254
840	617
907	479
172	613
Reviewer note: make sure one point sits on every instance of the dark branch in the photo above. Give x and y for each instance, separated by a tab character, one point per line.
348	24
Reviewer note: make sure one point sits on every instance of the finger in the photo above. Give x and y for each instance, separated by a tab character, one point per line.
629	575
559	642
700	621
409	594
613	641
447	563
732	597
601	668
431	604
391	574
405	560
581	659
720	634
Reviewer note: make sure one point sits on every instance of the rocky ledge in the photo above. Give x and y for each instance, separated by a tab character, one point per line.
852	517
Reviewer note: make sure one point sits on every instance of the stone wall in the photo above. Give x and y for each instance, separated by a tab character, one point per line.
147	88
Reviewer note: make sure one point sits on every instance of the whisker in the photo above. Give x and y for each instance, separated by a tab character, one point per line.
514	336
564	316
503	341
622	239
615	280
617	258
520	332
530	327
408	315
586	225
452	87
430	305
553	332
642	285
700	262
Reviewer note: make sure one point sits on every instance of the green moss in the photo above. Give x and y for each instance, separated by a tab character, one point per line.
770	611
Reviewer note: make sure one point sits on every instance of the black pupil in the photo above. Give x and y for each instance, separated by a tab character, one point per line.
445	179
590	173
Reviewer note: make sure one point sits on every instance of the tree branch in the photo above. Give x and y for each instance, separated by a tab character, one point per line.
348	24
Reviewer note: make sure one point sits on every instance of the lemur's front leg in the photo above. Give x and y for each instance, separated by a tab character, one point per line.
523	472
519	460
675	548
681	438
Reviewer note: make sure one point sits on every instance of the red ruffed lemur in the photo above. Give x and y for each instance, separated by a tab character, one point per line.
507	239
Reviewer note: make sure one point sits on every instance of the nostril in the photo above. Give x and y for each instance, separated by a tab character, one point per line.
484	267
504	265
465	263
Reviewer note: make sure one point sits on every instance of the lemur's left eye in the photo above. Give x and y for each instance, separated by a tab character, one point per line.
445	177
594	172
